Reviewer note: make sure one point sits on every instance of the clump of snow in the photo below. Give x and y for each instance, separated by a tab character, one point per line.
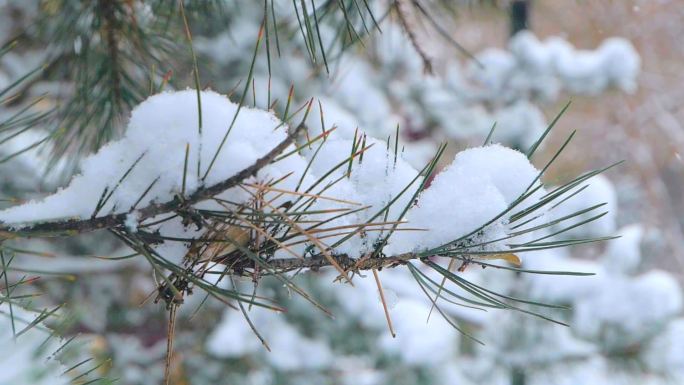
159	130
131	222
621	63
474	189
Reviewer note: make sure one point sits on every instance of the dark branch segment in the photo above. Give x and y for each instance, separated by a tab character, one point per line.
318	261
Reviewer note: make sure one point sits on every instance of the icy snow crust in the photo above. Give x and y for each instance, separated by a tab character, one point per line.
478	185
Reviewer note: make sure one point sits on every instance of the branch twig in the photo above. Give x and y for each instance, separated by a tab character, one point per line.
413	38
343	260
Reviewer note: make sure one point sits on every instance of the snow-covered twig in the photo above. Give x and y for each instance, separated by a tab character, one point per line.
117	220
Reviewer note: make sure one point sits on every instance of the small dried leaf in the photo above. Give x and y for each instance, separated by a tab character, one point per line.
508	257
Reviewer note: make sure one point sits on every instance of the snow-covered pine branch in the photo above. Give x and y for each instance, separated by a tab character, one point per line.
242	188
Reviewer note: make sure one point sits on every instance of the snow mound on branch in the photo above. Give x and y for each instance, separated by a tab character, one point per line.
479	184
477	187
159	130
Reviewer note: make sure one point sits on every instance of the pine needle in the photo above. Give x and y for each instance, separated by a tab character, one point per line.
384	303
170	336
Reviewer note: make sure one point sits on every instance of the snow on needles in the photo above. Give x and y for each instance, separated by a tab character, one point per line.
157	135
478	185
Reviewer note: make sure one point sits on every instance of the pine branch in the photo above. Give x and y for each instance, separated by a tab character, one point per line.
117	220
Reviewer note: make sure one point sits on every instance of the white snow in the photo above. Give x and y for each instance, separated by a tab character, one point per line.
413	343
387	86
158	132
599	189
623	255
131	222
665	353
619	312
290	349
476	187
541	69
625	310
28	359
